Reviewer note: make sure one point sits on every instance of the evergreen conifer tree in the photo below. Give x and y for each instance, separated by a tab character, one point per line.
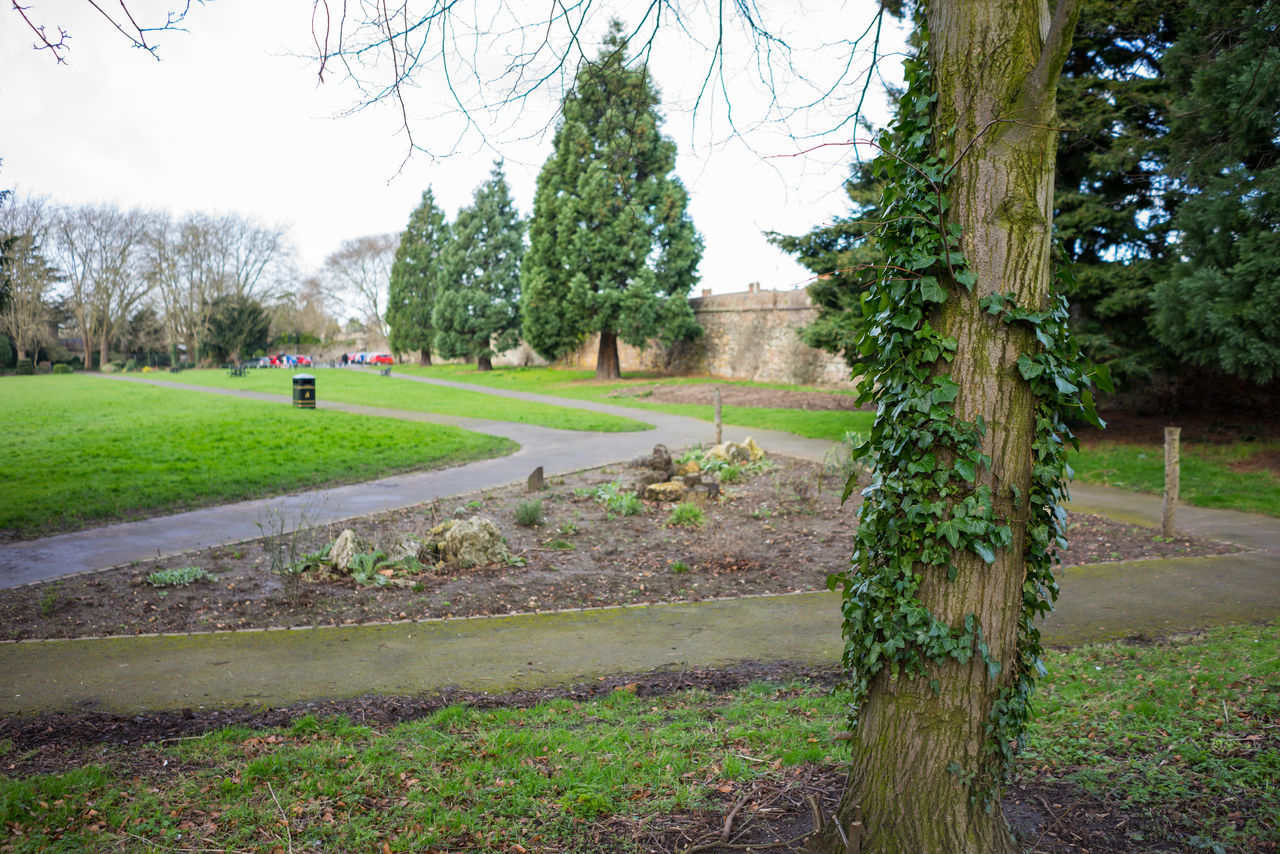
612	249
414	276
477	305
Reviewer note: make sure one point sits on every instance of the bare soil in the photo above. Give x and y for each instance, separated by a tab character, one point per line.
781	531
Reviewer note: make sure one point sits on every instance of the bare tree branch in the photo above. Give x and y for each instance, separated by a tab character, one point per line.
123	21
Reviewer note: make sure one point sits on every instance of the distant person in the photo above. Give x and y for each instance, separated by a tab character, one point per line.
344	360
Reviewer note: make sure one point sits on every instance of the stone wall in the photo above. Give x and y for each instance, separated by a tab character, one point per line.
751	335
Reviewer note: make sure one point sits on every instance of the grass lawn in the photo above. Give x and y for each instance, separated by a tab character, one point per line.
1212	475
80	450
368	389
1175	736
582	385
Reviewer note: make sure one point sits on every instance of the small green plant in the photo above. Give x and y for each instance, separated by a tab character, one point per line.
529	513
687	515
567	529
49	599
364	569
562	545
62	368
179	576
618	501
679	567
731	473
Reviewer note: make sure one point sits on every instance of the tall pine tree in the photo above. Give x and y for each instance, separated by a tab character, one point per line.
1220	306
477	307
612	249
414	276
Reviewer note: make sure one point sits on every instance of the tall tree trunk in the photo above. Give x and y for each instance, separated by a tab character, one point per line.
608	367
995	66
104	350
424	357
484	363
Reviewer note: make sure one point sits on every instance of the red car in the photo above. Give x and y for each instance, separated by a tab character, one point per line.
382	359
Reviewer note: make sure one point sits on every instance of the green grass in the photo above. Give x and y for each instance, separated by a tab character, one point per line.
1182	733
1207	478
1181	736
81	450
582	385
369	389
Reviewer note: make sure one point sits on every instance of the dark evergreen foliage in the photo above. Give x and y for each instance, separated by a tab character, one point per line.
477	304
414	277
612	249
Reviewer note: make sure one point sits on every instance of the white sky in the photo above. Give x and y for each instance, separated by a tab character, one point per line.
232	120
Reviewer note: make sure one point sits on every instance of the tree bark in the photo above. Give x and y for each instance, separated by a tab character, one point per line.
484	363
608	366
424	358
995	65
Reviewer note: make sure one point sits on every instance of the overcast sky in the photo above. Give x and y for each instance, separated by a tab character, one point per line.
232	119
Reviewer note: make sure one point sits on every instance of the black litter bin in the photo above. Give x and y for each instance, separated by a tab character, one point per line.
304	391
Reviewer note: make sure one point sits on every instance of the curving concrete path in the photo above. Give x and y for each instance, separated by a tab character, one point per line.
495	654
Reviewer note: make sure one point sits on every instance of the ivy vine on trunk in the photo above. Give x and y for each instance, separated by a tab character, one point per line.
968	357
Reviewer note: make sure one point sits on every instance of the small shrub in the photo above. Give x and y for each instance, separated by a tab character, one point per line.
627	505
131	365
731	473
179	576
364	569
49	599
62	368
529	513
679	567
615	500
24	369
687	515
561	545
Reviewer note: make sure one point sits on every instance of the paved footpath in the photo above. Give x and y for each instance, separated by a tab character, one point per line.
270	668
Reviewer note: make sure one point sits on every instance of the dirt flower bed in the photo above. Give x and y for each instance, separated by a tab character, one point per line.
780	530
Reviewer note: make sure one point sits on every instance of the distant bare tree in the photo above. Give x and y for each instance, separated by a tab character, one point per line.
302	312
101	250
360	273
196	260
24	227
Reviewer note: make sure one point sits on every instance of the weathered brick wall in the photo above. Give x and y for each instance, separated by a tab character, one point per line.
751	335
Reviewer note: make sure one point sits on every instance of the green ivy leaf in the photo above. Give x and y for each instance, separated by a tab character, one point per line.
1029	368
931	291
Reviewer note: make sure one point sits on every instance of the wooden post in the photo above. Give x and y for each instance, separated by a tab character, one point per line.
1171	471
718	439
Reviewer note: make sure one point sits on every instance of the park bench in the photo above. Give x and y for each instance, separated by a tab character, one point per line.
175	369
386	372
236	370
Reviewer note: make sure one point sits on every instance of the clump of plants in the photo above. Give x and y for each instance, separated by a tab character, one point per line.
179	576
618	500
529	513
679	567
687	515
726	470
